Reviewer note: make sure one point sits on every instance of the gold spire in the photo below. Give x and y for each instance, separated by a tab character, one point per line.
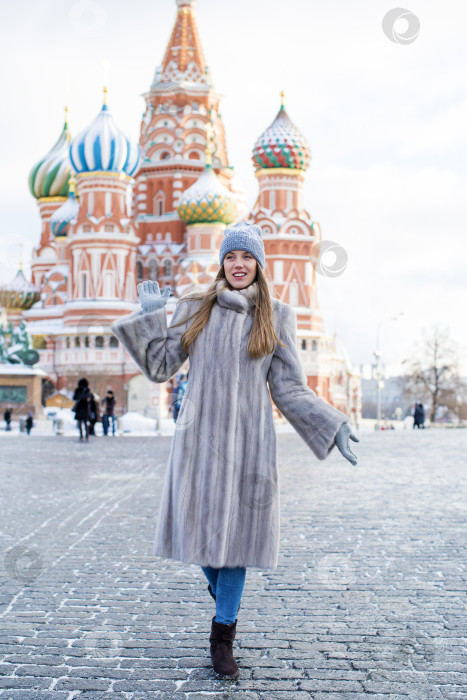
66	114
72	184
106	89
282	98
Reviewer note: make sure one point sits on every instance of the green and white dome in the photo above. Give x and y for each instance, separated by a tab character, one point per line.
49	177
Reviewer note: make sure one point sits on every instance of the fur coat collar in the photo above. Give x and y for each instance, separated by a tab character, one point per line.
239	299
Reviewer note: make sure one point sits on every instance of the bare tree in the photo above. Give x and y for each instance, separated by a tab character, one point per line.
433	373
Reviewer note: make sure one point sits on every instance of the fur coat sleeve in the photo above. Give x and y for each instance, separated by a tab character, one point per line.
315	420
154	346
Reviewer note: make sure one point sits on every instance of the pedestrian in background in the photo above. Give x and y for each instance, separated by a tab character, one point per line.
7	418
29	423
421	416
416	416
94	414
108	403
82	398
177	396
220	503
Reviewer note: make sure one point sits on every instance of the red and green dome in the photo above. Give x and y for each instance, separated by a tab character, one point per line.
281	146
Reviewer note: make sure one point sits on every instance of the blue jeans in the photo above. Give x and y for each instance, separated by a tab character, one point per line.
227	585
105	423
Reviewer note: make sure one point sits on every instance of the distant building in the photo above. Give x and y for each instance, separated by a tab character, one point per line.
114	214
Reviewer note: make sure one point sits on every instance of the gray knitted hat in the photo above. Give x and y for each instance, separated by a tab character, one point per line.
243	236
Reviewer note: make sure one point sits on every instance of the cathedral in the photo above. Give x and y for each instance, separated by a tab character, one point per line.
115	213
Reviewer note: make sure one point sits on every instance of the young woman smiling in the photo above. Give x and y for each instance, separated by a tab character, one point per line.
220	503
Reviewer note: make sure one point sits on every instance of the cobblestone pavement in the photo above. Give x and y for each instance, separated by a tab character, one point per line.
368	600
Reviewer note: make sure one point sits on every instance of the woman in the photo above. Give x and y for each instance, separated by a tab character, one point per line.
82	407
220	503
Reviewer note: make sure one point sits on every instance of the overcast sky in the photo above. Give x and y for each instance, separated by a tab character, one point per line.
386	122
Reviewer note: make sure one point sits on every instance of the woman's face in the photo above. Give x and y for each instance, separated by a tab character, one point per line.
240	268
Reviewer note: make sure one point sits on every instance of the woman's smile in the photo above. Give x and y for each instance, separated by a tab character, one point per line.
240	268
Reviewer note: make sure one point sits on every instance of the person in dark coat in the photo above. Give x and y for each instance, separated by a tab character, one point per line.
7	418
94	414
416	416
108	402
82	398
421	416
29	423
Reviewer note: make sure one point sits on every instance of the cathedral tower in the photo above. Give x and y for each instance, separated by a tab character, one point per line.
102	241
281	156
48	183
180	103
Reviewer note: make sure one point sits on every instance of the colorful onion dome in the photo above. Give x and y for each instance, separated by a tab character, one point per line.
19	293
49	177
67	213
103	147
281	145
207	201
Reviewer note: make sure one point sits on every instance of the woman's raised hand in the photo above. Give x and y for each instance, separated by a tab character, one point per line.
150	297
342	441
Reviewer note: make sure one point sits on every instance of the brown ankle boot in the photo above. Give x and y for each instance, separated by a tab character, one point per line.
222	637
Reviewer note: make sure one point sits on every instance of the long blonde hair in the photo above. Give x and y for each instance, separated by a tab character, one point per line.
262	339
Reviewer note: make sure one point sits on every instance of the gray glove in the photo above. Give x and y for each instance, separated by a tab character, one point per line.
342	442
150	297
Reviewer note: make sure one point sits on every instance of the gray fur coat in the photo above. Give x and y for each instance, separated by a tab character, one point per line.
220	502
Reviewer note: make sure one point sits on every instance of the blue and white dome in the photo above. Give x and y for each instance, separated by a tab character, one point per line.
103	147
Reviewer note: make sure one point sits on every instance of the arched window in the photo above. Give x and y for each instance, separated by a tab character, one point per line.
153	270
159	203
113	342
67	342
314	345
167	268
99	341
165	155
139	269
77	342
86	342
303	344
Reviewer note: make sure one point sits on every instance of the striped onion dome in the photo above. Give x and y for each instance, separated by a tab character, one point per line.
49	177
103	147
282	145
19	293
207	201
67	213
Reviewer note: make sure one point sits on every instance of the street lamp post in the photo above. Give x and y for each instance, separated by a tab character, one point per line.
378	371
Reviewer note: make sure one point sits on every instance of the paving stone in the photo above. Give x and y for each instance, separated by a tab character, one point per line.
368	599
